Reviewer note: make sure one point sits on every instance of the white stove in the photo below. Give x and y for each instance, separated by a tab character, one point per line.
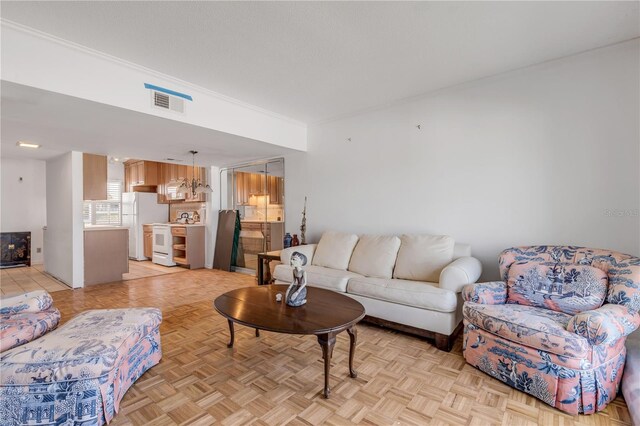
162	244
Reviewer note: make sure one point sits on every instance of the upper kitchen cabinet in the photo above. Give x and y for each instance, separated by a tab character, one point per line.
248	184
171	175
94	171
140	176
275	188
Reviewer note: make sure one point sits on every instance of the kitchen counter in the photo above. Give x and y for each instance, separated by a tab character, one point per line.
106	254
180	224
261	221
104	228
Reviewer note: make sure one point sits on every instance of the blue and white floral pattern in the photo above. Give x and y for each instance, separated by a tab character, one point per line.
78	374
33	301
560	287
560	334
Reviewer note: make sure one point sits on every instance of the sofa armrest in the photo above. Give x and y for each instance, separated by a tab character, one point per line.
31	302
604	325
307	249
460	272
489	293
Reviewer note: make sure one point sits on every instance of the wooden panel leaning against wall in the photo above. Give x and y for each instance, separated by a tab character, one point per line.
94	175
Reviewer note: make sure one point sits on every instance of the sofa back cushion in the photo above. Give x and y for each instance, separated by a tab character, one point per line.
561	287
375	255
422	257
334	250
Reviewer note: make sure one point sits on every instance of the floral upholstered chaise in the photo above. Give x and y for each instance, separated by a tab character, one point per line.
556	326
79	373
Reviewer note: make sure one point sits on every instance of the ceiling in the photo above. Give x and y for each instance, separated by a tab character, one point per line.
313	61
63	123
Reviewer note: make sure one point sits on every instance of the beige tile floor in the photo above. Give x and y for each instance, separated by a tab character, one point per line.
146	268
24	279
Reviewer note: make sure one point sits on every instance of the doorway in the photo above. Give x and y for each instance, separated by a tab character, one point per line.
256	191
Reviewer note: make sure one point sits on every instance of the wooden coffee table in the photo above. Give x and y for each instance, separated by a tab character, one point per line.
325	314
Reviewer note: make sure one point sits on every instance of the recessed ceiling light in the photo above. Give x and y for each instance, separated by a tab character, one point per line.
27	144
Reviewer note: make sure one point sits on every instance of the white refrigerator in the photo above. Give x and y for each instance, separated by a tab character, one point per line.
141	208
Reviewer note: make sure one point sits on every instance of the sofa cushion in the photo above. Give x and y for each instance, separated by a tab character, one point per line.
375	255
531	326
334	250
317	276
411	293
21	328
561	287
422	257
33	301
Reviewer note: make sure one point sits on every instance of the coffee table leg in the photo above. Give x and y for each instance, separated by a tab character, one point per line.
353	337
327	342
257	332
230	344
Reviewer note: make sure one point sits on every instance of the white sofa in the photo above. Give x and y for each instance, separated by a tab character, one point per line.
410	283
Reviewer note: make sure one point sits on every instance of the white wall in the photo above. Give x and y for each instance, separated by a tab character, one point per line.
64	238
549	154
36	59
23	200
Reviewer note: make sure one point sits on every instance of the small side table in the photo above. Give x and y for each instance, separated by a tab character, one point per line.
266	257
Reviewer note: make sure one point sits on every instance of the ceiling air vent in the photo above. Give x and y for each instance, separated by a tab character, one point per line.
164	101
167	99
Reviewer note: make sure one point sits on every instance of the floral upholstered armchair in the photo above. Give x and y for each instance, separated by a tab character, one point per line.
556	326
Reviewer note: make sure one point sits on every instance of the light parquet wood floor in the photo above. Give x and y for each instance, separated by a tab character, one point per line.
277	379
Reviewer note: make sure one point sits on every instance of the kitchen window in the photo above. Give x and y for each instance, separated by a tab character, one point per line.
105	212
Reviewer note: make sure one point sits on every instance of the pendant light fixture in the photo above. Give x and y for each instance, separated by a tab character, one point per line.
193	186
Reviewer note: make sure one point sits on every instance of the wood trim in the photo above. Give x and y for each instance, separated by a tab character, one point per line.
442	341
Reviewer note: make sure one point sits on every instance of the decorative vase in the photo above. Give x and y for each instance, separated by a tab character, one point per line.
295	241
287	240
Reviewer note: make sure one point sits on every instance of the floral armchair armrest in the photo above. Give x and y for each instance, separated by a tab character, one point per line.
31	302
606	324
489	293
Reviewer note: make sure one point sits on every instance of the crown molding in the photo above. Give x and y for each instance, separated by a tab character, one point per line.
5	23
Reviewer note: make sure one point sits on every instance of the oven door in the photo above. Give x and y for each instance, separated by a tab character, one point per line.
161	239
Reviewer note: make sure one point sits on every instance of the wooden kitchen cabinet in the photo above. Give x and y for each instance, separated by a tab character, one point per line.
275	189
272	232
188	246
248	184
94	174
173	174
147	231
140	176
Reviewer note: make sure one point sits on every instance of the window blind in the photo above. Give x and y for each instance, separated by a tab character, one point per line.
105	212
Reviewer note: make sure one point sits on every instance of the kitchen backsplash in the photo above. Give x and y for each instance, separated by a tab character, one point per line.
274	213
175	208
